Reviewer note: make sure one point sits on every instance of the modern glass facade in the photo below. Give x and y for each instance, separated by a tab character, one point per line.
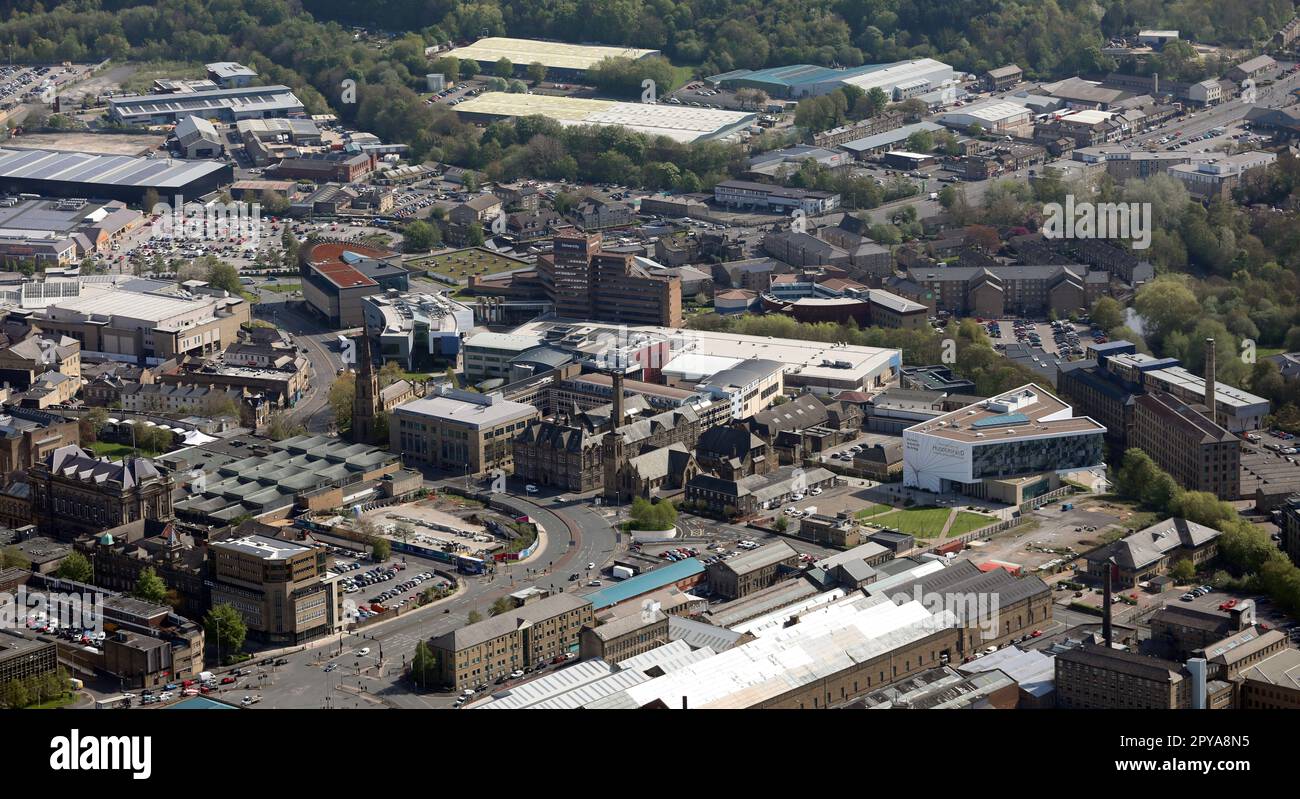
1012	458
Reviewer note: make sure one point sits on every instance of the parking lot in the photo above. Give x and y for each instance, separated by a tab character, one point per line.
22	83
154	246
1059	338
388	586
422	524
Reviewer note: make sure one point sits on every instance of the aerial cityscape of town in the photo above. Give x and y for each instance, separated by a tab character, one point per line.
612	354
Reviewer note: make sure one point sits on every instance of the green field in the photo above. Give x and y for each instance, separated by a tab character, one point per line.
929	522
871	510
920	522
967	521
283	288
460	264
117	451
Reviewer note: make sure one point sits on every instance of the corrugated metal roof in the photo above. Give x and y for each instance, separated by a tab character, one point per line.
645	583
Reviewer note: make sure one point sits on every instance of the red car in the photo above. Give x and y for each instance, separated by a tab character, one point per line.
228	680
1229	605
1036	634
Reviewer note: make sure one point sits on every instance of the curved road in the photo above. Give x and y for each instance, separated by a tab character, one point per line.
576	535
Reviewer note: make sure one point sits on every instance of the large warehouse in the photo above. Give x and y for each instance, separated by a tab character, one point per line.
819	367
899	80
680	123
226	105
571	60
51	173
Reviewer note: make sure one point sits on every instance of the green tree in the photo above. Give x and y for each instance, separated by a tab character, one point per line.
224	628
222	275
504	68
424	666
501	605
279	427
537	73
420	236
1183	571
150	587
342	393
76	567
474	617
380	549
1107	314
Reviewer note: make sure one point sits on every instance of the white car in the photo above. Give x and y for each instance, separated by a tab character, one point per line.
531	489
363	651
591	565
815	491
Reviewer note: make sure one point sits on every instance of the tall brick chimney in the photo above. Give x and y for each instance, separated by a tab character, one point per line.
617	416
1209	380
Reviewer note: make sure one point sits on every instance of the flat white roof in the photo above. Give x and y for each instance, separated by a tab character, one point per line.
826	640
1088	117
503	341
133	305
1224	394
698	366
811	360
991	112
473	414
551	54
680	123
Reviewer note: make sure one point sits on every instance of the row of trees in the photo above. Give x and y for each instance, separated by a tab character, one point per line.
975	35
34	690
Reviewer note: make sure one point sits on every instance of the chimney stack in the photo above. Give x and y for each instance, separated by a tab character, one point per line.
616	417
1106	631
1209	380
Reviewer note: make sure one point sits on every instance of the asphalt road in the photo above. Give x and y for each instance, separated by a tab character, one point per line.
364	681
313	409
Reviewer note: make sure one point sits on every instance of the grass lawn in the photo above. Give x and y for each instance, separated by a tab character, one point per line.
460	264
919	522
283	288
63	701
871	510
117	451
967	521
141	81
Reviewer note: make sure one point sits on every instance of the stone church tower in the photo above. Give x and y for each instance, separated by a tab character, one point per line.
365	404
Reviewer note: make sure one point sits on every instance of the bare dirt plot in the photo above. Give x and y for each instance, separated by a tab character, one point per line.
106	143
419	516
109	80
